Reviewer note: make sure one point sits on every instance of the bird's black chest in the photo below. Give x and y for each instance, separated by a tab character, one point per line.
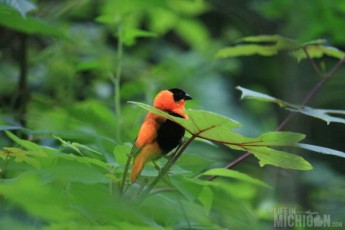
169	135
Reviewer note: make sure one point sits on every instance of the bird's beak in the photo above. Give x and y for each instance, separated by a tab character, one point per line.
187	97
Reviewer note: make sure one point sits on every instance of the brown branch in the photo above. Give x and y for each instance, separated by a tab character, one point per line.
305	100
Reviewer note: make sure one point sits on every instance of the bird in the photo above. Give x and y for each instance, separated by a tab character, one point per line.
158	135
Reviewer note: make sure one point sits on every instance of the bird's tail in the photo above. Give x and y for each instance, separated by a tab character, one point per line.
137	167
148	153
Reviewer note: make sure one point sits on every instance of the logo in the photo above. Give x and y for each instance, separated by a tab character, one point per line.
290	217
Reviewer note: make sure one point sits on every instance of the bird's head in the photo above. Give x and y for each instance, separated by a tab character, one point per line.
172	101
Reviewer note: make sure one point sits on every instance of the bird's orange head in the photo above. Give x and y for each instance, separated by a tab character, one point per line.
172	101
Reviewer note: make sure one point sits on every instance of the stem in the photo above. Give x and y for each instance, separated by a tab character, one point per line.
4	164
116	81
125	172
178	152
22	100
312	62
305	100
117	100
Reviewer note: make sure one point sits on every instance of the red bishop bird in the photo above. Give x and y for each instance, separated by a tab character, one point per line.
159	135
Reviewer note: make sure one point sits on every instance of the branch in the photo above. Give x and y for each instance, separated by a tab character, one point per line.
305	100
21	102
116	81
125	172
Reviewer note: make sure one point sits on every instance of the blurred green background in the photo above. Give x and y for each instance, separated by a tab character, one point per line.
64	71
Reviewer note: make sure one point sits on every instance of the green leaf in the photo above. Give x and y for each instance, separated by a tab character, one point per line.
29	25
235	175
121	153
108	19
83	160
206	198
279	138
189	187
73	171
193	32
321	149
265	45
53	152
76	146
192	8
323	114
317	51
193	163
250	94
89	65
246	50
24	143
44	201
278	40
269	45
268	156
68	144
130	35
20	155
7	127
22	6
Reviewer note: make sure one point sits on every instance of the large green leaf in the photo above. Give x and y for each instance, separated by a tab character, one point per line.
35	150
8	127
268	156
22	6
278	139
20	155
246	50
130	35
76	146
40	200
217	128
320	149
24	143
265	45
28	25
323	114
70	170
317	51
251	94
121	153
269	45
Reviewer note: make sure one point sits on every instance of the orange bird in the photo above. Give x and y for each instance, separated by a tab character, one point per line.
158	135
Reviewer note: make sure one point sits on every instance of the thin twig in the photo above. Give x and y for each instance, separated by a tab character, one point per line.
125	172
4	164
312	62
23	96
116	81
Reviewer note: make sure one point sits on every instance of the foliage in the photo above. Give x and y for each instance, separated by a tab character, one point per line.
67	132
